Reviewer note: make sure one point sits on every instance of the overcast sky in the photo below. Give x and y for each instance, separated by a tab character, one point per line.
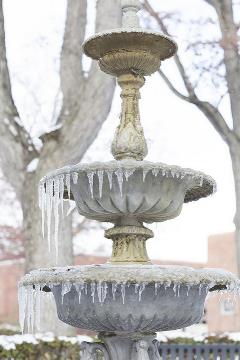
177	133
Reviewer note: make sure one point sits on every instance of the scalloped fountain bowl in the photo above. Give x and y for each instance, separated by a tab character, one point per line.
98	297
141	190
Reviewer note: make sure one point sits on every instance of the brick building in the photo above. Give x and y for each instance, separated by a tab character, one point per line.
221	315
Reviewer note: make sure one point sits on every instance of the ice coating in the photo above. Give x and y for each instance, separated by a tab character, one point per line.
105	280
56	187
132	274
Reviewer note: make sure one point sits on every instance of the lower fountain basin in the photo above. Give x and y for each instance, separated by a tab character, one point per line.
164	309
126	298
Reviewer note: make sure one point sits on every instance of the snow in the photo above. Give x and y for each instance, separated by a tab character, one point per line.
9	342
32	166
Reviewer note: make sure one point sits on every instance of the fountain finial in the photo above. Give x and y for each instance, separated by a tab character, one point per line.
129	13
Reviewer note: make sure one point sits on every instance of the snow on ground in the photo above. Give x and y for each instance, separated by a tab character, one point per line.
9	342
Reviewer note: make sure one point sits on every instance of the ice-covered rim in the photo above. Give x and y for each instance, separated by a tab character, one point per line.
205	184
96	52
215	279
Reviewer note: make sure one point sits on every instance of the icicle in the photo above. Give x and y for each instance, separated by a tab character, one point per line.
119	175
38	293
178	290
100	181
104	291
49	203
79	288
128	173
174	289
93	289
144	174
141	289
156	288
68	185
75	177
61	190
188	289
22	301
99	291
66	288
56	213
30	311
90	175
200	289
155	172
136	288
42	204
123	292
110	175
201	181
114	289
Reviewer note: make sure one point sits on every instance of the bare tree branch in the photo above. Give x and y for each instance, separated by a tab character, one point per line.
72	79
230	46
16	147
82	121
211	112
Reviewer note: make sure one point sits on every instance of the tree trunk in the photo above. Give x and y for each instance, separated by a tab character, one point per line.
235	156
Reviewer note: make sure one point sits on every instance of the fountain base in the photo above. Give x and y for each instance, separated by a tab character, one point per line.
118	347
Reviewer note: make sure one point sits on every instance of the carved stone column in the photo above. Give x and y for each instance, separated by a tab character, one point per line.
129	140
129	244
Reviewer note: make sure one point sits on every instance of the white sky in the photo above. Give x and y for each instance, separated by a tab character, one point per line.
177	133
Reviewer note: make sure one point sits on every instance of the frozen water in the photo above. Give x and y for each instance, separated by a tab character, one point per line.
22	303
75	177
110	175
90	175
100	181
119	174
56	200
68	185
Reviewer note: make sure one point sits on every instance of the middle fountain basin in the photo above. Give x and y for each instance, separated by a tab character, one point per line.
148	192
126	298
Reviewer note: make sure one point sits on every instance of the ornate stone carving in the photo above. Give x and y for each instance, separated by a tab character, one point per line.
138	62
129	140
129	244
90	351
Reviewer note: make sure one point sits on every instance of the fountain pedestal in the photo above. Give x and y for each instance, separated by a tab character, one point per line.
119	347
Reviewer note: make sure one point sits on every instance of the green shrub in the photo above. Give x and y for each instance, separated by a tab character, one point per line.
43	350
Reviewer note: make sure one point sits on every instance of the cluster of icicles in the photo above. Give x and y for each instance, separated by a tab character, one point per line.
29	296
52	189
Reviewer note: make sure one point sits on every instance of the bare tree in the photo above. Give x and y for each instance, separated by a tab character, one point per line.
86	104
224	70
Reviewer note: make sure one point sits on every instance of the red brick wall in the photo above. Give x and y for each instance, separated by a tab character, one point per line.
221	254
10	273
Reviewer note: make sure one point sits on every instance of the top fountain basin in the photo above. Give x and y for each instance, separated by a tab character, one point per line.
129	189
132	50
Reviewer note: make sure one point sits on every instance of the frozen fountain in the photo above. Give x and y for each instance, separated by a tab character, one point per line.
127	300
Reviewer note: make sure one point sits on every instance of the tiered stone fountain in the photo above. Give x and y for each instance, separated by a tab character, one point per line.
127	300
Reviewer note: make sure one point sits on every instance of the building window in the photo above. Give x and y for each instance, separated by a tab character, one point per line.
227	307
